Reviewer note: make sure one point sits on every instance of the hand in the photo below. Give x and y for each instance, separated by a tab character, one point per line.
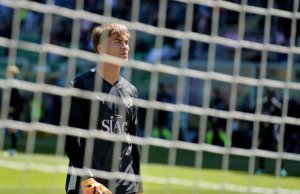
90	186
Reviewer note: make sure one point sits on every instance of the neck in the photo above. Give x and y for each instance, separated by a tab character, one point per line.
109	72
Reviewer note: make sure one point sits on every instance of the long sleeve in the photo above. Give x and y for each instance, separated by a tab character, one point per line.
74	146
136	158
136	150
136	165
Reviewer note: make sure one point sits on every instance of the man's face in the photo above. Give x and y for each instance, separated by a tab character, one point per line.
117	46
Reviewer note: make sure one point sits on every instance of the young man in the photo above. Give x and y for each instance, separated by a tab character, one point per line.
113	118
15	110
269	132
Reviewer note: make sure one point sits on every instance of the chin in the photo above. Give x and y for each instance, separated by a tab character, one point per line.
124	57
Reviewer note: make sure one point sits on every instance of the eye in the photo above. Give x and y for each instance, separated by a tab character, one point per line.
122	41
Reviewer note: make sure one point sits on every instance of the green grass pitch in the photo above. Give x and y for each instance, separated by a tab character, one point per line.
26	181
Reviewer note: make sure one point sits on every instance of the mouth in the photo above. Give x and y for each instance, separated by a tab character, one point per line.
124	55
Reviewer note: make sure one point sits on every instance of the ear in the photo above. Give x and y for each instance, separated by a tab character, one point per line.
99	48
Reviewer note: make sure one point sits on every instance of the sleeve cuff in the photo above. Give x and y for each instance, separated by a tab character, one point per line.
140	188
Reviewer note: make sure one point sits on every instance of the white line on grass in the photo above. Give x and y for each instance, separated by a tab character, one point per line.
30	187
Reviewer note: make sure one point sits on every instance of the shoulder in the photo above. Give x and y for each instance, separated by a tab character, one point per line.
126	85
84	80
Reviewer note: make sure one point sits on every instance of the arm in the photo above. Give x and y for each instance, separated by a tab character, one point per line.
136	150
136	166
74	146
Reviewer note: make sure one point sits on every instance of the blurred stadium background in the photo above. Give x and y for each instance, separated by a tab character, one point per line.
207	61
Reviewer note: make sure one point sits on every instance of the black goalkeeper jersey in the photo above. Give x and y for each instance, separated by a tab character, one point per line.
117	116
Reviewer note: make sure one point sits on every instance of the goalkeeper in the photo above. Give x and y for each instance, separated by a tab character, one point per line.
113	118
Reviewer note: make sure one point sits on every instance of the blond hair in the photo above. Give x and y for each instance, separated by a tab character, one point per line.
101	33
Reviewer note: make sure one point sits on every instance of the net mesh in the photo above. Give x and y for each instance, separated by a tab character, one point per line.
195	48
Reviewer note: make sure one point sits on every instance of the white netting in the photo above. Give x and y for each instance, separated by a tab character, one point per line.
215	44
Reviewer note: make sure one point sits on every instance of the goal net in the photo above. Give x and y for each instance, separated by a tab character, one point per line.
203	69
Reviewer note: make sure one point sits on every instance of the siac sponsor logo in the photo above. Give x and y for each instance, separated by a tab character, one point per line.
116	124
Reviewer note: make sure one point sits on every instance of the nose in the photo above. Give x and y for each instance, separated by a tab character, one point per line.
125	46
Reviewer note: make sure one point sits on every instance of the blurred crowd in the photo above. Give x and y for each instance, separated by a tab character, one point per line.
61	29
144	49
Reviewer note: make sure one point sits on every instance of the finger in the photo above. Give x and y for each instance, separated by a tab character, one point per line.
106	191
87	182
94	190
99	191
